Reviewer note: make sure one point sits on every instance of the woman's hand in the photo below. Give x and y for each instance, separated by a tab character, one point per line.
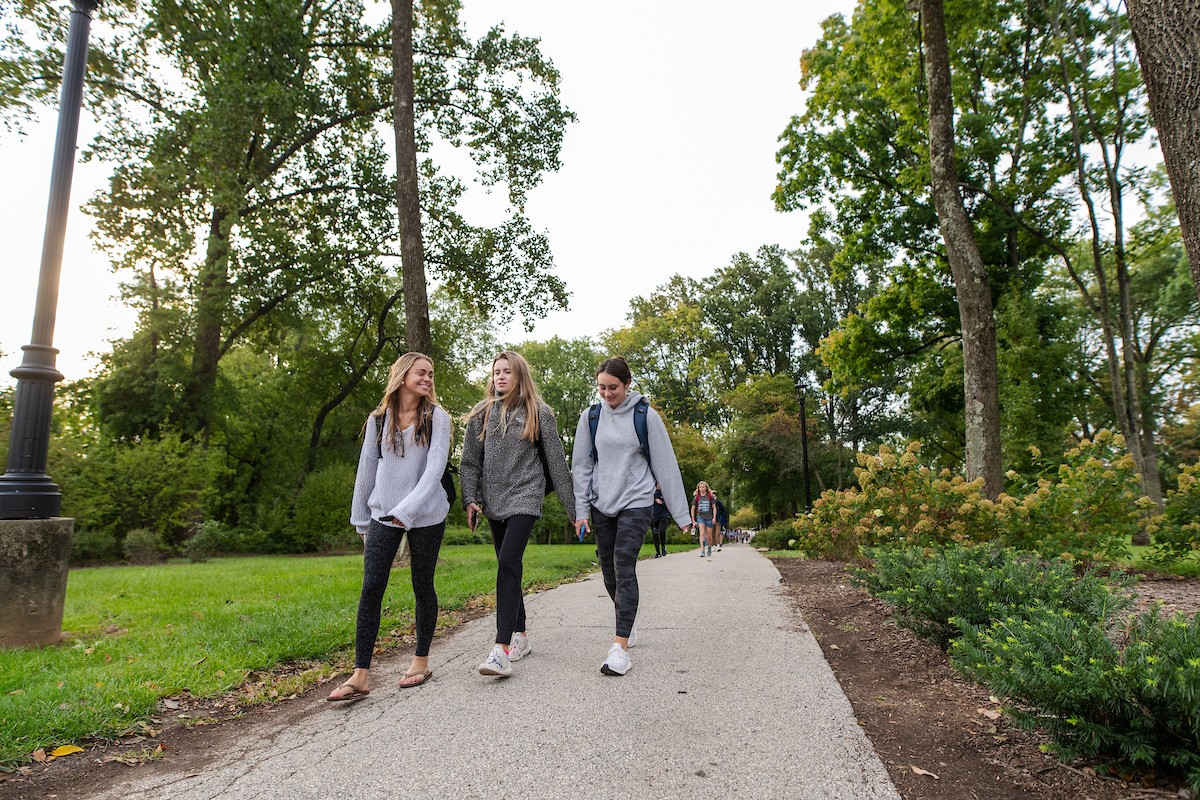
473	512
579	523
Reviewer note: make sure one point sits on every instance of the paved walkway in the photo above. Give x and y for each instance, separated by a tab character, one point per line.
729	697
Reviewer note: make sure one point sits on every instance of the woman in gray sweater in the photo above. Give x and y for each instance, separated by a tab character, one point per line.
510	450
614	481
398	490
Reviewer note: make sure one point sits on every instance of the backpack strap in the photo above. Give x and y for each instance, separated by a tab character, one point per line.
593	422
379	433
639	427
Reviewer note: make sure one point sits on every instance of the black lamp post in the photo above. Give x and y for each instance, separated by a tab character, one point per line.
26	492
801	387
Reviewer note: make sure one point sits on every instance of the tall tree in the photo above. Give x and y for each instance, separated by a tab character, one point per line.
408	198
980	376
1167	33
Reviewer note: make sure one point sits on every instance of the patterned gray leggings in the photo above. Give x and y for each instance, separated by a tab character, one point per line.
618	542
382	543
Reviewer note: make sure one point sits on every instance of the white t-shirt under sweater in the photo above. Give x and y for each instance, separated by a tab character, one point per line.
407	487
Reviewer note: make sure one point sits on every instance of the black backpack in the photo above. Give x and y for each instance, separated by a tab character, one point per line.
447	474
639	427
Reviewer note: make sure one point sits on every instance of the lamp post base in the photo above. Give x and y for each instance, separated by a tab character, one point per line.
34	557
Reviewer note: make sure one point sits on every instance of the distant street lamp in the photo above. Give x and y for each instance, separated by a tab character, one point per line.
801	388
35	542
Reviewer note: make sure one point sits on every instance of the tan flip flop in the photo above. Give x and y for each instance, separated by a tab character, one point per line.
354	694
424	676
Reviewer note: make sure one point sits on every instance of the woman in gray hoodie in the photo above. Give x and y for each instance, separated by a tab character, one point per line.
614	473
512	454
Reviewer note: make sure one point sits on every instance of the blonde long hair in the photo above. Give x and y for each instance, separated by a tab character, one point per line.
391	402
523	393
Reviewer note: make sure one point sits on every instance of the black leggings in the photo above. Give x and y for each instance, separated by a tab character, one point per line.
509	536
659	526
382	543
618	542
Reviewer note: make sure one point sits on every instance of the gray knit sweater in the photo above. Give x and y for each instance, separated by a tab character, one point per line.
620	478
407	487
503	474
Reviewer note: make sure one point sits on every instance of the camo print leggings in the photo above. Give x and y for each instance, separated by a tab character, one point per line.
618	541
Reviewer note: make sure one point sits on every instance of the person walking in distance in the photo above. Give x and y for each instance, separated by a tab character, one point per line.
704	512
512	448
720	521
397	492
660	518
621	450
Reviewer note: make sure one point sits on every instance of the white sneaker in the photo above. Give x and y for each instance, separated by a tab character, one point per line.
519	647
617	662
497	663
632	637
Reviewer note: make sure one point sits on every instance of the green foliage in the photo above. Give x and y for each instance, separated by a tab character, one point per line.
1087	510
1090	509
164	485
322	516
1135	700
938	590
142	546
553	526
463	535
779	536
1178	539
90	546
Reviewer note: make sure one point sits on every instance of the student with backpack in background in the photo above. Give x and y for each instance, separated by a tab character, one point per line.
398	492
621	450
660	518
512	458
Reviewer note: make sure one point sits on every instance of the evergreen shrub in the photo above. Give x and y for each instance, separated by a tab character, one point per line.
1135	700
1179	537
93	545
938	590
321	518
779	536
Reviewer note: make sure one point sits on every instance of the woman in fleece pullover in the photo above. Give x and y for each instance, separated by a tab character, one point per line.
508	434
614	482
398	491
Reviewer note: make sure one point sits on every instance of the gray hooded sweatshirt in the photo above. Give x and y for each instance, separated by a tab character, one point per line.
620	478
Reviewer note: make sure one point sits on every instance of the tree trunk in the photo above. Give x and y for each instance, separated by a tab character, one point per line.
980	373
408	198
212	302
1167	36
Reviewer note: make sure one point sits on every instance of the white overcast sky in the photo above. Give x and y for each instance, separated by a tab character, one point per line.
669	169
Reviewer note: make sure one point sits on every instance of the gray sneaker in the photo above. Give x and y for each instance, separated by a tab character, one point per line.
617	662
497	663
632	637
519	647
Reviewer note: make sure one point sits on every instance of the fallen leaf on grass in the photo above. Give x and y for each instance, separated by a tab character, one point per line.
919	771
170	703
66	750
39	755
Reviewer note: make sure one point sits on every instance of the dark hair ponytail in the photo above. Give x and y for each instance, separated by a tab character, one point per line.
616	367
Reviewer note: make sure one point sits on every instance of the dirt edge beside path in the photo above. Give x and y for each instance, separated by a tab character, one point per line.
918	713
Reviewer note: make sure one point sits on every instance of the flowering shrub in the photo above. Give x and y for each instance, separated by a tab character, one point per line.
1090	511
1178	538
1087	509
897	502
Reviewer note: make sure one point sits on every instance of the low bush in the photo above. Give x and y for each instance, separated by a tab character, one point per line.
1134	700
937	590
779	536
142	546
460	536
321	521
92	545
1178	539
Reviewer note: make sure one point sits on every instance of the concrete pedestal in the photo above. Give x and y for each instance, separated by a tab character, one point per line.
34	556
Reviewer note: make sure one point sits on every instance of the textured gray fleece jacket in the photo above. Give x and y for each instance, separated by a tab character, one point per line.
503	474
620	478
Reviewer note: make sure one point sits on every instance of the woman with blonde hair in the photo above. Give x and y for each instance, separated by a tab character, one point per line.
398	491
704	515
510	451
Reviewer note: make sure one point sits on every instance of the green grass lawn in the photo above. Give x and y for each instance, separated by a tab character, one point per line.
140	634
